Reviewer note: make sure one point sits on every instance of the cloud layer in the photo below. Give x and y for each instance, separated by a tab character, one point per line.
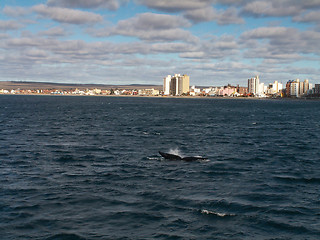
110	4
214	41
65	15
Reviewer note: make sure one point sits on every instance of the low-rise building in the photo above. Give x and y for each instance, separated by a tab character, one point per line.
149	92
242	91
227	91
195	91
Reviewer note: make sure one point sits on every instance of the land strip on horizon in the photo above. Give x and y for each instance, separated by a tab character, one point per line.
62	86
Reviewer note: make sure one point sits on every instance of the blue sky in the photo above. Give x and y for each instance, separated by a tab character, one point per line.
216	42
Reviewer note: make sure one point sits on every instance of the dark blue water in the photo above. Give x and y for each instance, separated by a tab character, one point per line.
89	168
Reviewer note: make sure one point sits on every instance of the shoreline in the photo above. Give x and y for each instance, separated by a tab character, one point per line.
166	97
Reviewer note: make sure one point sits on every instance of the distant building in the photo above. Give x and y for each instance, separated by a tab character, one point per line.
97	91
274	88
212	91
317	88
288	88
295	88
227	91
254	85
176	85
306	86
242	90
195	91
166	85
149	92
180	84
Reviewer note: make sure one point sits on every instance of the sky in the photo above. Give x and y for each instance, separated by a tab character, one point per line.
215	42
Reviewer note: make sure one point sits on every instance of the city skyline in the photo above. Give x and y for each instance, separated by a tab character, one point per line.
215	42
175	85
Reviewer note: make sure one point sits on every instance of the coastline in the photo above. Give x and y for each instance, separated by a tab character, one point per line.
168	97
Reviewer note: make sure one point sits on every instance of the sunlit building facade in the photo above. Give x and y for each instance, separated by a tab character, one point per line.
254	86
176	85
295	88
166	85
274	88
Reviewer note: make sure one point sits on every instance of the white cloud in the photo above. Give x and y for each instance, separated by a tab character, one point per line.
270	8
281	45
216	48
269	32
35	53
3	36
9	25
153	21
313	16
16	11
276	8
222	17
152	27
54	32
65	15
175	5
230	16
109	4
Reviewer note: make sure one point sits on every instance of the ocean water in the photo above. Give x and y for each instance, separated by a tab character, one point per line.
89	168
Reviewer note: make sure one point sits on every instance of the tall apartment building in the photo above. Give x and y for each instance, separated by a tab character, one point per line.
307	86
255	87
166	85
317	88
176	85
288	88
295	88
274	88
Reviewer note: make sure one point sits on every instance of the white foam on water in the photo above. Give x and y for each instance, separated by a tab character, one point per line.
204	160
175	151
204	211
153	158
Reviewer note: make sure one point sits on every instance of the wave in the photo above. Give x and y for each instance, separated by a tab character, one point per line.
283	226
144	217
291	179
66	158
207	212
65	236
154	158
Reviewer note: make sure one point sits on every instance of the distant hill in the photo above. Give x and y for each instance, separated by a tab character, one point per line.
66	86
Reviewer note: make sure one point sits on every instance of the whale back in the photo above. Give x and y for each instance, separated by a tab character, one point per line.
170	156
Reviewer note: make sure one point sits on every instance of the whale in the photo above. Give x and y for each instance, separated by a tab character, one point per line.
174	157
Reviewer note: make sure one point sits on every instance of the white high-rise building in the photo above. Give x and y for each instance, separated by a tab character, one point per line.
275	87
262	89
176	85
254	85
294	88
306	86
166	85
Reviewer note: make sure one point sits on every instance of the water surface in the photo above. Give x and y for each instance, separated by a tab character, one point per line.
89	168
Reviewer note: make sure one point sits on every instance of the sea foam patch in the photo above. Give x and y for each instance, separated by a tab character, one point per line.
204	211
